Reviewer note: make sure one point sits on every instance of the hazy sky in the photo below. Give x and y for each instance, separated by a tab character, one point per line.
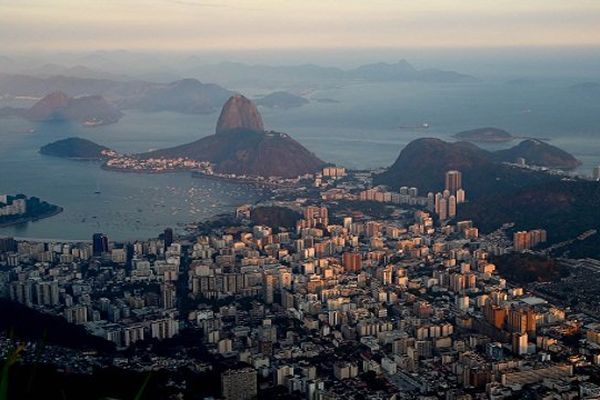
270	24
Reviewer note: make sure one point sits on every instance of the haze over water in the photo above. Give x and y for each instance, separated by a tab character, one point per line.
367	128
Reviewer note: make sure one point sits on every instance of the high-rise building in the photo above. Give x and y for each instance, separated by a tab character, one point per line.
99	244
239	384
443	209
268	287
460	196
430	201
316	216
352	261
168	237
436	202
521	320
520	343
451	207
523	240
8	244
169	295
596	173
453	181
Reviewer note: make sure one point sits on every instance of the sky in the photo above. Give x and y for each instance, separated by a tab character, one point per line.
184	25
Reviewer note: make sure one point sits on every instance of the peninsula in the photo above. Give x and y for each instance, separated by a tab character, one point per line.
19	209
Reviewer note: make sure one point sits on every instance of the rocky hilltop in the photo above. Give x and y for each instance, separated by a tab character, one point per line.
239	113
537	152
241	146
75	148
497	192
423	163
88	110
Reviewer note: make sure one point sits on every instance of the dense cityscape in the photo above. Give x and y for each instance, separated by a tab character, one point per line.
300	200
321	301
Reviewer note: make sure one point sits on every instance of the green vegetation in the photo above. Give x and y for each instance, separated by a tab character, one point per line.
565	209
374	209
27	324
528	268
74	148
275	216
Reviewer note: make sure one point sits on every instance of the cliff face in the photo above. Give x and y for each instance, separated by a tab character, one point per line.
239	113
86	109
242	147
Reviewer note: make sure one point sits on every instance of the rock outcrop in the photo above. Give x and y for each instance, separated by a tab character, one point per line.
239	113
242	147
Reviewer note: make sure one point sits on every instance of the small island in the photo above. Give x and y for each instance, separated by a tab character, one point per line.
77	149
485	135
19	209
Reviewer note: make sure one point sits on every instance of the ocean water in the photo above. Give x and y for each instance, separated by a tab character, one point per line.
366	128
129	206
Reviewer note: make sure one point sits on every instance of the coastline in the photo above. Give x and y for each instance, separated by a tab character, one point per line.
145	171
26	219
269	185
200	175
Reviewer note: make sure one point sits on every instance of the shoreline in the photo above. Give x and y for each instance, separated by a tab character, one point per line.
267	185
145	171
200	175
24	220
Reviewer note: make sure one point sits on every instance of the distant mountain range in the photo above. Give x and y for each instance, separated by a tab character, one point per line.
188	96
191	96
377	72
57	106
81	80
242	147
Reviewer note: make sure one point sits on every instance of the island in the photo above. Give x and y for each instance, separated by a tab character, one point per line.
19	209
77	149
485	135
86	110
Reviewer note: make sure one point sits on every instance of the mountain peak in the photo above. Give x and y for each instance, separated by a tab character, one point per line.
46	107
239	113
